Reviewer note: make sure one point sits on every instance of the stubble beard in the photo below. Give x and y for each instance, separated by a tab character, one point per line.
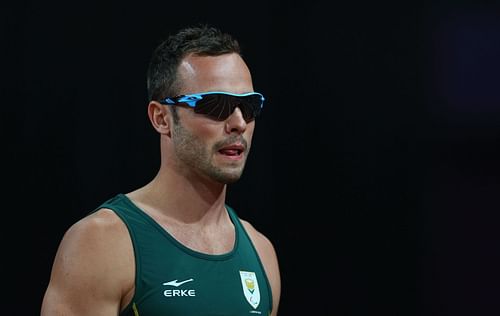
192	152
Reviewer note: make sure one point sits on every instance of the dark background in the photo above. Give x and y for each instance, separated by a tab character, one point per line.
374	168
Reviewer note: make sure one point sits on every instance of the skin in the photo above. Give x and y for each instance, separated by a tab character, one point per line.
94	269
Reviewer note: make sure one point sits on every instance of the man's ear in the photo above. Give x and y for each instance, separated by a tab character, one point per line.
159	117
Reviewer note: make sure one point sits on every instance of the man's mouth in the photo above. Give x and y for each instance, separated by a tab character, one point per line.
233	150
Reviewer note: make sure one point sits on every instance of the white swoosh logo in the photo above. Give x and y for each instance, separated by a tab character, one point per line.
177	284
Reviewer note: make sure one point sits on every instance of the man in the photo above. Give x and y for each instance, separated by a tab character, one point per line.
173	247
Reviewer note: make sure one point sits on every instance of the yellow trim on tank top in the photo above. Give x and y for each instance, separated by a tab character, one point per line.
134	307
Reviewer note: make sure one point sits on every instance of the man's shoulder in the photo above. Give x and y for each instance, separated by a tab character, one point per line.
100	227
258	238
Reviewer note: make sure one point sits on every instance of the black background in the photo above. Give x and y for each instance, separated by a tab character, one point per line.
374	167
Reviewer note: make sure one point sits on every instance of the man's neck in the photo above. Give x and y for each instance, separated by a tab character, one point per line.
182	199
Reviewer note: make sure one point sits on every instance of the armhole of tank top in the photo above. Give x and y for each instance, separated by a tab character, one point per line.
131	305
238	222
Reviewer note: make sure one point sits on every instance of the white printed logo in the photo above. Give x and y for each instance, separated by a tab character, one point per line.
250	287
180	292
176	283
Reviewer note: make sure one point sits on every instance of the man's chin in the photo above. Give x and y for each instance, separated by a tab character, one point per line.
228	178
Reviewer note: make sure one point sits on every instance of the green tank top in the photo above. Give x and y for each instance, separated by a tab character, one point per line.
171	279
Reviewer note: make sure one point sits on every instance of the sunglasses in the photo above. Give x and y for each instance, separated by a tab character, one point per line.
220	105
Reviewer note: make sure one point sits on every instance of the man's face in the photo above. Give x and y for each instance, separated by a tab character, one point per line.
214	149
